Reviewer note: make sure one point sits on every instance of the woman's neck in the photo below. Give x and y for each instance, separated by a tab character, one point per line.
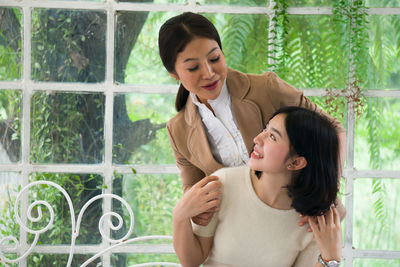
271	190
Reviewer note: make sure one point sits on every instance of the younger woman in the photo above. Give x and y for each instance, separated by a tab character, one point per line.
293	169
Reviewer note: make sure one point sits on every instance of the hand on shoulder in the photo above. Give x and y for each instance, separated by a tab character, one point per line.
202	197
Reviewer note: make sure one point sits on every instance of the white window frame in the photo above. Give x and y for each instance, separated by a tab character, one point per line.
106	169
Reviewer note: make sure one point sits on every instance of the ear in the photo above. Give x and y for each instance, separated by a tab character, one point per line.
174	75
297	163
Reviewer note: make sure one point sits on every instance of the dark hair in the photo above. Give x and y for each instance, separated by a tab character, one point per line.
312	136
173	37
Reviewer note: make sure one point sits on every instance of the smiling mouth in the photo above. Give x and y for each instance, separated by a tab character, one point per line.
256	154
211	86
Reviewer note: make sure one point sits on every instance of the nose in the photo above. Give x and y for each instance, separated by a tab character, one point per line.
207	71
258	139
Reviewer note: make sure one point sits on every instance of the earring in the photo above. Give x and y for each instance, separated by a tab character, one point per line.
177	81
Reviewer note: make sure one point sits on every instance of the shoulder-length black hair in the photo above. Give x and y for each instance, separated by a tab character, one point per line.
173	37
312	136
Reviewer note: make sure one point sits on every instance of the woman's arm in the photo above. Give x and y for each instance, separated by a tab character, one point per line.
328	235
204	195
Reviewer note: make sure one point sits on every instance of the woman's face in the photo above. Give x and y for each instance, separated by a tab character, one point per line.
201	68
272	147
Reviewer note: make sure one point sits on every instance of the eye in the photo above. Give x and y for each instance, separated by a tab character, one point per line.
214	59
193	69
272	137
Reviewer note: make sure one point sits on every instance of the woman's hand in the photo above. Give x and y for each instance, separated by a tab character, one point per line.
201	197
328	234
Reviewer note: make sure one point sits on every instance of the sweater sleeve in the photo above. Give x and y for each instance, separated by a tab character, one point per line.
308	256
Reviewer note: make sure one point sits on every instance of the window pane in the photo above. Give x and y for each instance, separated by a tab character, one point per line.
68	46
10	44
81	188
10	185
375	263
243	41
131	259
140	136
263	3
152	198
311	52
382	3
384	50
10	126
142	60
51	260
376	144
376	213
67	128
333	105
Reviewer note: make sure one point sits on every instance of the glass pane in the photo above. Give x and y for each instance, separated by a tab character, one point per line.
262	3
382	3
118	260
140	136
376	213
333	105
80	188
315	3
243	40
10	126
51	260
311	51
138	62
68	46
376	144
67	127
11	44
152	198
10	185
383	69
375	263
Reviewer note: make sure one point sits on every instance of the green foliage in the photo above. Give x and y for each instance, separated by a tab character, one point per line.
77	186
151	198
57	128
58	46
10	63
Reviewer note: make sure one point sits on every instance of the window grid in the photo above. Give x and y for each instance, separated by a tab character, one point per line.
110	89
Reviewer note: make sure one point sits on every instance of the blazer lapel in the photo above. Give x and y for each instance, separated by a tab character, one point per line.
197	141
247	113
249	120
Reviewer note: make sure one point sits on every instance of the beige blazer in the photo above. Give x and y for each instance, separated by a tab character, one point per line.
254	100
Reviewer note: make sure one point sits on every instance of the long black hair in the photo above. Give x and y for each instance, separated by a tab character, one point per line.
312	136
173	37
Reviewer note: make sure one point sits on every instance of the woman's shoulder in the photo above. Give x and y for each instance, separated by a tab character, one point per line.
252	77
231	174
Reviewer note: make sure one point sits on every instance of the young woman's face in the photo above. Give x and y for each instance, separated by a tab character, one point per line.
201	68
272	147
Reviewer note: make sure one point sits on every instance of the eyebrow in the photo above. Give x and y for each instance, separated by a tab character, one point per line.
273	129
189	59
276	131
